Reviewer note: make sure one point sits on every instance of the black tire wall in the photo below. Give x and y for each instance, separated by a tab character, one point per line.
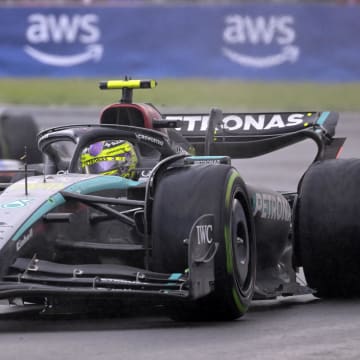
182	196
328	227
17	131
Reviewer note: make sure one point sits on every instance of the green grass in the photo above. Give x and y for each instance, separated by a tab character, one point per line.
191	93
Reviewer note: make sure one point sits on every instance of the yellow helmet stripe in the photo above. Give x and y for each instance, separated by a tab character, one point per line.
94	160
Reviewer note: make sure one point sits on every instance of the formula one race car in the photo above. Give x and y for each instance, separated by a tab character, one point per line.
146	208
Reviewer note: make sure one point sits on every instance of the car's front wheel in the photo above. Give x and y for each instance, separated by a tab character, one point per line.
183	196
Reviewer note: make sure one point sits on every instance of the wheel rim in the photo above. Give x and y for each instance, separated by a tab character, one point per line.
241	247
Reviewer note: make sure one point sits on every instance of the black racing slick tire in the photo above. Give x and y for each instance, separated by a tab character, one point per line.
328	227
16	132
182	196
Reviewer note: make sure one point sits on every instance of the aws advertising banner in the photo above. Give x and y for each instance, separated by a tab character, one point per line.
250	42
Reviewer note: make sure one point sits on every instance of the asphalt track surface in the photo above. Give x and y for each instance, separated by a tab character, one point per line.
301	327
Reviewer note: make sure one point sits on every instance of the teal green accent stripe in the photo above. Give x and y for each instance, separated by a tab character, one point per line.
86	186
323	117
175	276
50	204
100	183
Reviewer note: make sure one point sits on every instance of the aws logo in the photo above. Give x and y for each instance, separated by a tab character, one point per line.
61	33
260	42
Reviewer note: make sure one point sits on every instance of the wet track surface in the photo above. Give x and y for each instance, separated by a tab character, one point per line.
296	328
300	327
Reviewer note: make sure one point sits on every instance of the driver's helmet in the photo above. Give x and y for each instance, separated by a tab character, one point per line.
110	157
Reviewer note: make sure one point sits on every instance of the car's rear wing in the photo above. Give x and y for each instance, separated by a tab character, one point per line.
239	135
243	135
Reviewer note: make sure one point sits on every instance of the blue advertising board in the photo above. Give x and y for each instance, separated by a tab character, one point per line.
249	42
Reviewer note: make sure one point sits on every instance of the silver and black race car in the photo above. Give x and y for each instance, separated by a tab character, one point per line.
146	208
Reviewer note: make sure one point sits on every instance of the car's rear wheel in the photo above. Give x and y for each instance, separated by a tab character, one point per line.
182	196
328	227
16	132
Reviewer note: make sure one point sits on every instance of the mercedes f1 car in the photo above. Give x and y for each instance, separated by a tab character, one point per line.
147	208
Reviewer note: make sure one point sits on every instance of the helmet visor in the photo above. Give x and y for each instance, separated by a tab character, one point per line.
99	158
